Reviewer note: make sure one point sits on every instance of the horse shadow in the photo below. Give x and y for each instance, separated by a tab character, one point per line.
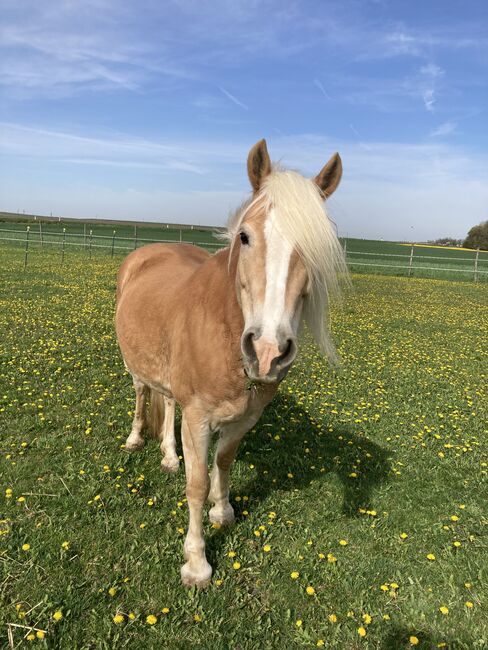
289	448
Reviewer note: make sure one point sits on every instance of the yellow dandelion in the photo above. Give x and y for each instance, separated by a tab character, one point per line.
444	610
367	619
266	548
58	615
343	542
403	535
294	575
40	634
430	557
299	623
25	547
320	643
151	619
236	566
197	618
332	618
310	591
118	618
413	640
112	591
165	610
468	604
361	631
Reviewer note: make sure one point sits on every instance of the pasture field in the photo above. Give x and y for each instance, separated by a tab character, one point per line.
361	495
363	255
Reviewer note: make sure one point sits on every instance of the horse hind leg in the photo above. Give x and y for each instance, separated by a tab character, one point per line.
135	441
170	462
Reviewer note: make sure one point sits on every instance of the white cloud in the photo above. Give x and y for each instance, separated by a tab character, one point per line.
446	128
432	70
429	99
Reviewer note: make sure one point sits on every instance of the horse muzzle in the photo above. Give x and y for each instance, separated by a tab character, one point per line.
267	361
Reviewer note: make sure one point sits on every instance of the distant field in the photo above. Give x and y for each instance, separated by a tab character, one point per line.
363	256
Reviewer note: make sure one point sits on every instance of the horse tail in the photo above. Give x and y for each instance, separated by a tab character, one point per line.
156	413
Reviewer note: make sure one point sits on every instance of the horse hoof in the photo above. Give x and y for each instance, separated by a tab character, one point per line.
192	578
170	466
133	446
223	516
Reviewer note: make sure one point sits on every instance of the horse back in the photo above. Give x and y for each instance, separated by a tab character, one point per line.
158	261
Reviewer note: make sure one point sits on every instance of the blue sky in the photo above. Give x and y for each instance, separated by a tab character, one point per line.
146	110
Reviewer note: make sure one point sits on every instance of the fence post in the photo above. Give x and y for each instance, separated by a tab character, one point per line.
113	243
410	264
26	246
135	237
84	236
40	233
180	235
64	243
90	244
476	265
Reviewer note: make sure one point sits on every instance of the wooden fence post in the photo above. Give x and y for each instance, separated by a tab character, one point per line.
40	233
476	265
84	236
113	243
90	243
64	244
26	246
410	264
135	237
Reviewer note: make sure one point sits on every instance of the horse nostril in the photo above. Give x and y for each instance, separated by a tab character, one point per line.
288	353
247	344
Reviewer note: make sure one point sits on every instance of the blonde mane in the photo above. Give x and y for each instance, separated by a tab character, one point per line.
303	222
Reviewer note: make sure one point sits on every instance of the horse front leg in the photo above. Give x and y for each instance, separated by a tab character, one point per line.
222	512
195	434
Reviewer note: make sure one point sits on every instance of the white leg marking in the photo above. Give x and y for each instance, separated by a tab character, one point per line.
170	462
135	441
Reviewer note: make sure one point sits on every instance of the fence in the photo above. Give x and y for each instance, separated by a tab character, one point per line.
473	265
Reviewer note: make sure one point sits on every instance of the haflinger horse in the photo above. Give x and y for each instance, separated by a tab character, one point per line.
217	333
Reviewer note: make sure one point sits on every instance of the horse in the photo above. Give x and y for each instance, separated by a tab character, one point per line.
216	334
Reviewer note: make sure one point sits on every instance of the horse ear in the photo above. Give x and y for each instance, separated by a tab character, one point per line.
330	176
258	164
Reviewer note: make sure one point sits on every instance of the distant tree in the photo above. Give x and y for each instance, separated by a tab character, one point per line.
478	237
448	241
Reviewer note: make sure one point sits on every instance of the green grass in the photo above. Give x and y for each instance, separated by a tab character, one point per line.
395	443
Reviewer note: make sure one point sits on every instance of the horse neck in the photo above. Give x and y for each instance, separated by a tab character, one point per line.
217	287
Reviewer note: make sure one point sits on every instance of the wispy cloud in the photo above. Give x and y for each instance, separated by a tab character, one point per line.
233	99
429	99
320	86
446	128
432	70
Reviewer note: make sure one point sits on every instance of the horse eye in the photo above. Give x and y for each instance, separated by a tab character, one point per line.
244	238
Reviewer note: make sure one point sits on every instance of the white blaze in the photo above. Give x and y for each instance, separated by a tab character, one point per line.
278	254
